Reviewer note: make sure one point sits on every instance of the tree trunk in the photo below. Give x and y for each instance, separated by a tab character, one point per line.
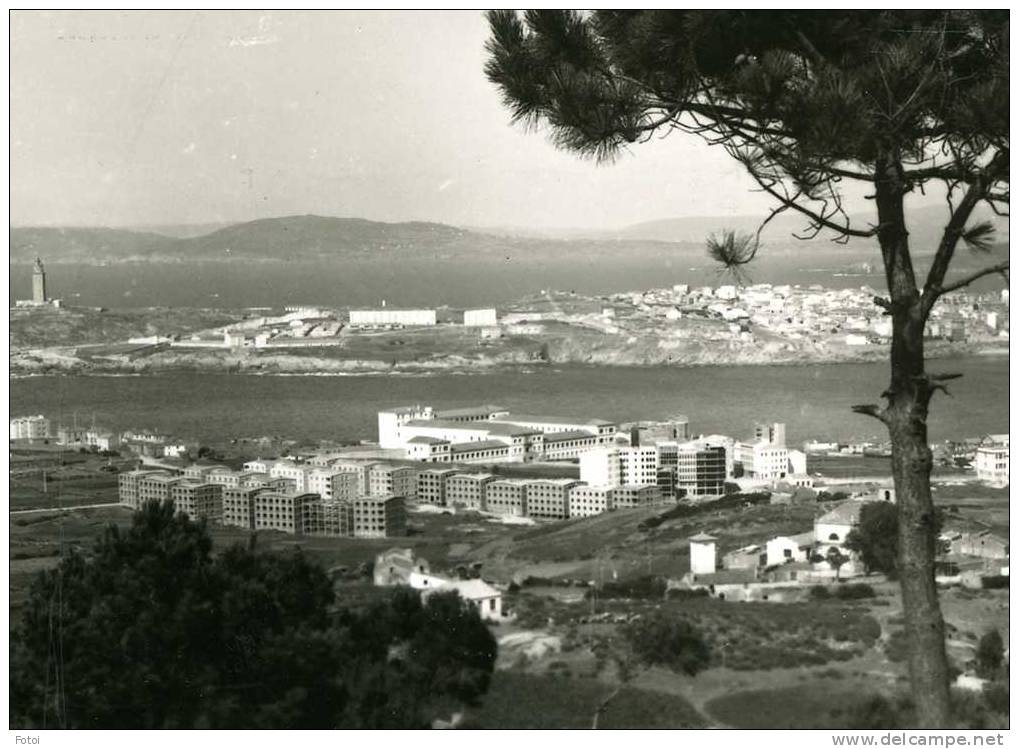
906	418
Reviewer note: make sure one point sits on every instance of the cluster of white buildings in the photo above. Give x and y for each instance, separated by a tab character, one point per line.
402	567
753	571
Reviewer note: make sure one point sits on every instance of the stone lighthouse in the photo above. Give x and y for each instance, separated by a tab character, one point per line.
39	283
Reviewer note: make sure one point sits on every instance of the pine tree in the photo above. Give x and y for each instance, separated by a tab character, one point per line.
807	101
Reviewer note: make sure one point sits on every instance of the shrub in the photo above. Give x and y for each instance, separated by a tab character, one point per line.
878	713
640	587
990	654
854	591
686	594
819	593
661	639
994	582
996	697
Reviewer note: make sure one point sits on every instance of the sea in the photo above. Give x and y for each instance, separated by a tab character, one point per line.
812	400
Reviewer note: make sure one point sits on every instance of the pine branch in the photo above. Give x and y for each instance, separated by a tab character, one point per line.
1001	268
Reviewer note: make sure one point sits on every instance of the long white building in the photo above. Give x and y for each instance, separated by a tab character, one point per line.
384	316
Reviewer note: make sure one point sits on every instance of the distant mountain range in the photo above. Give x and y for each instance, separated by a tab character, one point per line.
318	237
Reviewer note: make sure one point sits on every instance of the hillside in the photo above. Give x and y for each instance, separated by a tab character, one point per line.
83	245
300	238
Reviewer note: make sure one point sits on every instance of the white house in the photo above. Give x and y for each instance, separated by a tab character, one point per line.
786	549
485	598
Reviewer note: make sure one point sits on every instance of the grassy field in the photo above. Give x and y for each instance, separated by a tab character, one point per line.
71	479
814	705
519	700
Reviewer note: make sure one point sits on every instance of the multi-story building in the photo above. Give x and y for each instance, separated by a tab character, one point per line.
763	460
472	413
468	490
330	483
326	517
570	445
604	430
359	469
991	463
507	497
524	443
30	428
385	480
198	499
638	464
586	501
280	510
379	517
428	450
635	495
128	486
292	470
201	471
239	506
601	467
432	485
676	429
773	434
156	487
700	469
487	451
391	420
548	499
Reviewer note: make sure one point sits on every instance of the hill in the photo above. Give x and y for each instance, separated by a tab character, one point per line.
298	238
925	224
82	244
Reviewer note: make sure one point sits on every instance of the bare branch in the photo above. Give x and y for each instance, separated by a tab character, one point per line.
870	409
966	281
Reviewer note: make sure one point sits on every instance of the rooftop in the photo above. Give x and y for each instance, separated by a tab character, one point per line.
473	476
703	537
469	447
483	410
572	434
536	419
506	430
847	513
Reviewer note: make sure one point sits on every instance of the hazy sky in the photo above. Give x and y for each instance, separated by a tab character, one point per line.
134	118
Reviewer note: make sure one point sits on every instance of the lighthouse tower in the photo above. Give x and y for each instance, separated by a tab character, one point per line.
39	283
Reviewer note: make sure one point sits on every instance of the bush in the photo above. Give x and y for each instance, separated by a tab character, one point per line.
661	639
879	713
640	587
854	591
996	697
819	593
994	582
686	594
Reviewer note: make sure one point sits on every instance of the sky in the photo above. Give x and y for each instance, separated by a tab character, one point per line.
126	118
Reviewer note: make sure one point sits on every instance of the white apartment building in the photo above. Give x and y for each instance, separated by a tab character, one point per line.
605	430
601	467
763	461
992	464
30	428
638	465
392	419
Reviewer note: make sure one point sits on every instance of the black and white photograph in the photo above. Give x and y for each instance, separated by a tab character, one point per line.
509	370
